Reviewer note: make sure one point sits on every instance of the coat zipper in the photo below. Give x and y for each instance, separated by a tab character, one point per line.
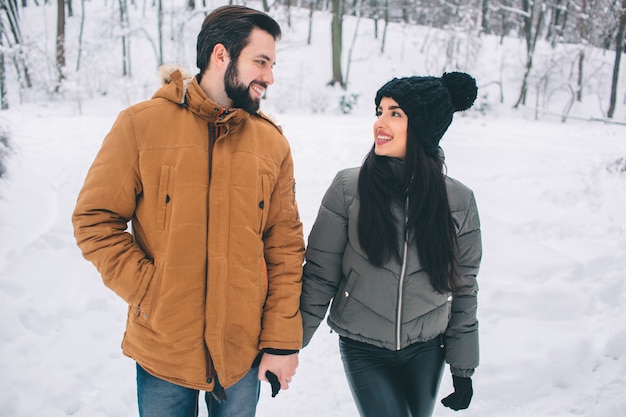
212	137
214	133
402	273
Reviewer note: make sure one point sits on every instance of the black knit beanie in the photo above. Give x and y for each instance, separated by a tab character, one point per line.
430	102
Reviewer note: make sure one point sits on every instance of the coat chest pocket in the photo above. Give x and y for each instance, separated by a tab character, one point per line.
263	201
163	198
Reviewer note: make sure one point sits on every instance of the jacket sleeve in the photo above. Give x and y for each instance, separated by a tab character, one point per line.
325	249
104	207
284	254
461	338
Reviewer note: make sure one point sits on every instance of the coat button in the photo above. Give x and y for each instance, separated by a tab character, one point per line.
449	298
209	380
346	294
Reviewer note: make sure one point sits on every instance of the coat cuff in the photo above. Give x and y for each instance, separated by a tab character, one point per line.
281	352
463	373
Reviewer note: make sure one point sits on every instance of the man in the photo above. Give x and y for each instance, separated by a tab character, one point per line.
212	270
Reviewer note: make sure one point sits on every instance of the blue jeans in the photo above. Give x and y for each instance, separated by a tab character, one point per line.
159	398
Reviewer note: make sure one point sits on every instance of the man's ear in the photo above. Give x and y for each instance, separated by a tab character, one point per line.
220	56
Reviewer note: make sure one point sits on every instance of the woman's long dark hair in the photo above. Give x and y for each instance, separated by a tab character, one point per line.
429	219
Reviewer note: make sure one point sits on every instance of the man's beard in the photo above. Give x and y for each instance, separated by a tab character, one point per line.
239	93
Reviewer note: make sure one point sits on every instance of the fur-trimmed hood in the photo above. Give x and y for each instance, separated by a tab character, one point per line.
165	71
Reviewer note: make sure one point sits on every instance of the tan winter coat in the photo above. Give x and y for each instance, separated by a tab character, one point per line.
204	232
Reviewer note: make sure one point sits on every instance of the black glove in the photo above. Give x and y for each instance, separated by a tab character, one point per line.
462	395
273	380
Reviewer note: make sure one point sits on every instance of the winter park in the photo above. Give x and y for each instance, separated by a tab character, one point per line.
543	149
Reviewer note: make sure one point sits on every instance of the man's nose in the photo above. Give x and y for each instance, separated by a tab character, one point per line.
268	76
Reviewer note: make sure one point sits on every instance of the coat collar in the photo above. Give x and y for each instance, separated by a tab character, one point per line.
186	92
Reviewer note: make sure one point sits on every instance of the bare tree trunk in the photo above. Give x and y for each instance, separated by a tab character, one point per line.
375	27
619	48
125	40
11	11
583	29
160	29
579	84
80	33
60	44
354	37
4	99
311	10
336	36
386	15
531	34
266	6
288	3
553	26
484	22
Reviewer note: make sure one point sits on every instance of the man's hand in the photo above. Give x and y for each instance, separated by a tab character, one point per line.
283	366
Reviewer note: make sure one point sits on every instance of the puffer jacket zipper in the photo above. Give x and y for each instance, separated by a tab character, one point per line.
402	274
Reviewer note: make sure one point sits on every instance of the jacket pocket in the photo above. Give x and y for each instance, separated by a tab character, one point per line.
344	295
147	304
264	202
163	198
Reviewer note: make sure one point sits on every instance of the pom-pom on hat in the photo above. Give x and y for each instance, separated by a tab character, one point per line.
430	102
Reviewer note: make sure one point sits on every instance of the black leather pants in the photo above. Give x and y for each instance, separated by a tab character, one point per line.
387	383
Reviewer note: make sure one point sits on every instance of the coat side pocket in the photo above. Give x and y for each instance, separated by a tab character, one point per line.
147	304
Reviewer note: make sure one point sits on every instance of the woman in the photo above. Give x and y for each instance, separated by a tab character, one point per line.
396	246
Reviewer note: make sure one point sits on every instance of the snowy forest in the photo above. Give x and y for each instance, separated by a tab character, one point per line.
54	62
552	55
570	49
543	149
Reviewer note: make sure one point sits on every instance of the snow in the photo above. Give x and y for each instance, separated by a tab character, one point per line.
551	197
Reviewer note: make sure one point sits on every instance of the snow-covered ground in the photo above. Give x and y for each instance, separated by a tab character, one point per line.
553	337
553	281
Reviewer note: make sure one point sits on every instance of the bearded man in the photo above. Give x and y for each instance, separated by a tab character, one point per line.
211	269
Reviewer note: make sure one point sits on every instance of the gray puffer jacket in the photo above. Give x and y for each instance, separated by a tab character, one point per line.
377	305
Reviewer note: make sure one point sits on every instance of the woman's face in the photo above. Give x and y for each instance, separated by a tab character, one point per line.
390	129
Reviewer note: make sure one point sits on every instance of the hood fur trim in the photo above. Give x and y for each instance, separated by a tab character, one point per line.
165	74
166	70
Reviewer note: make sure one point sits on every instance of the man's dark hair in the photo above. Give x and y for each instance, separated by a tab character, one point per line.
231	26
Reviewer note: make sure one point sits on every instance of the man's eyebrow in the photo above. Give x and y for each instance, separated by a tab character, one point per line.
267	58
